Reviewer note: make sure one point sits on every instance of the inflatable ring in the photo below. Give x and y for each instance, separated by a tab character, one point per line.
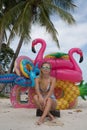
25	66
22	97
66	94
17	64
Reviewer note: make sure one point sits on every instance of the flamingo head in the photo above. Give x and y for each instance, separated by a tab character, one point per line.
33	49
36	41
79	51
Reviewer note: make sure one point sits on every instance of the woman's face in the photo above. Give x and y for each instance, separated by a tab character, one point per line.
46	68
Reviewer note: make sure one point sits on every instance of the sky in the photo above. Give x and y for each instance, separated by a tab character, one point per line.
69	36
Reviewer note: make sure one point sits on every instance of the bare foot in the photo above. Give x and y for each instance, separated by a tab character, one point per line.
51	117
40	121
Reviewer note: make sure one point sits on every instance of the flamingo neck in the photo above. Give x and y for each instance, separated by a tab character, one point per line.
39	56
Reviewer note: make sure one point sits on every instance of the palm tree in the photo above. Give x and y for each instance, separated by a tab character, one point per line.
23	13
5	56
4	6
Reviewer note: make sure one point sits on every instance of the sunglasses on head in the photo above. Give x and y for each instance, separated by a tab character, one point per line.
45	68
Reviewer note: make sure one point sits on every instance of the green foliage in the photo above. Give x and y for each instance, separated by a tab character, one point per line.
6	56
3	96
19	15
83	90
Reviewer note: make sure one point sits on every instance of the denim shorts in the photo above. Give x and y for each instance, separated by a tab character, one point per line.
53	97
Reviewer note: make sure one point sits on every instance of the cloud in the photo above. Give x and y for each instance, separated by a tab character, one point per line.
81	11
73	36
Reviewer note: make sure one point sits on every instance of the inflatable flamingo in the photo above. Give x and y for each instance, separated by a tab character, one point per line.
74	74
61	69
39	57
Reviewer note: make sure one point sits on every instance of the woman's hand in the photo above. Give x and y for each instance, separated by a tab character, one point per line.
45	100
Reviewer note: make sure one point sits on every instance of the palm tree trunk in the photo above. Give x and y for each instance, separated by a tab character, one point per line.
15	55
1	37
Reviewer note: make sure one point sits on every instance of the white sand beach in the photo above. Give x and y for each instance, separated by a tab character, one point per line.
25	119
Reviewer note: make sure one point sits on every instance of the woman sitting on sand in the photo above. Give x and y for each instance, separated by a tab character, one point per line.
44	98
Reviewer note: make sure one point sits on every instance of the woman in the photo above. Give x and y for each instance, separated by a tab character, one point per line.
44	98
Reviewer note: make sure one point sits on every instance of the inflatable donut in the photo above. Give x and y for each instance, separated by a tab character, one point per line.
17	64
22	97
26	66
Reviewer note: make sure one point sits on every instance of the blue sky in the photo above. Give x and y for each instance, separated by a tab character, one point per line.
69	36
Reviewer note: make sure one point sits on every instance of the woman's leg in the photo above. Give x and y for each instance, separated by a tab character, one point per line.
53	107
36	100
46	111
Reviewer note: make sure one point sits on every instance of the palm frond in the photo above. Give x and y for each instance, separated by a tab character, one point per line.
66	16
11	15
45	21
64	4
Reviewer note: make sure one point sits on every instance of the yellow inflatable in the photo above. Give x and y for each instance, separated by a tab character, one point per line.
24	68
67	93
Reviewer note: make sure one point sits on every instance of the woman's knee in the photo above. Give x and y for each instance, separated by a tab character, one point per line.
49	101
35	97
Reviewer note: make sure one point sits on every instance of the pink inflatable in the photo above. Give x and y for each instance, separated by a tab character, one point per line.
62	69
15	93
17	64
25	102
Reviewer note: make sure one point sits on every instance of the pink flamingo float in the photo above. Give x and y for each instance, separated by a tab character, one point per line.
62	69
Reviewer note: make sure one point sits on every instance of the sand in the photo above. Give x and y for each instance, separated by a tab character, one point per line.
25	119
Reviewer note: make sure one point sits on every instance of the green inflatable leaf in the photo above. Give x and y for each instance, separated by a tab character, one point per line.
83	89
58	54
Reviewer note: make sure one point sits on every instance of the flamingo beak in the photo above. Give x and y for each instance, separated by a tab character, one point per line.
33	49
81	59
